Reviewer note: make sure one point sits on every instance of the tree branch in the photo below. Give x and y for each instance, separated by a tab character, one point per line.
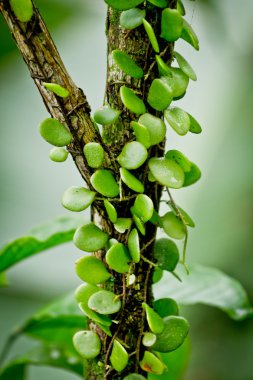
45	65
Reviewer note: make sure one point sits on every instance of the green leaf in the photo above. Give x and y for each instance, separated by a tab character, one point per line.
117	258
131	181
119	356
123	4
122	224
178	82
166	253
173	225
87	344
173	335
106	115
134	376
132	18
132	101
77	198
92	270
160	94
57	89
189	35
165	307
212	287
185	66
155	126
90	238
133	155
23	9
159	3
100	319
104	302
94	154
58	154
127	64
104	183
148	339
54	132
151	35
3	280
181	8
157	275
176	363
178	119
134	245
172	24
139	224
59	231
143	207
84	292
42	356
192	176
195	127
155	322
111	211
163	68
166	172
150	363
180	159
141	133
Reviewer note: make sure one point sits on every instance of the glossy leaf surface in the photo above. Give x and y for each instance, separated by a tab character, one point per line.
165	307
118	258
77	198
189	35
119	356
178	119
195	127
142	134
106	115
151	35
166	254
150	363
160	94
87	344
127	64
111	211
54	132
166	172
131	181
90	238
58	154
185	66
104	302
172	24
134	245
155	126
94	154
155	322
173	226
132	101
104	183
180	159
57	89
92	270
192	176
132	18
133	155
143	207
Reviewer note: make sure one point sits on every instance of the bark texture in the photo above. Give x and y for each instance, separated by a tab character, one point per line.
45	65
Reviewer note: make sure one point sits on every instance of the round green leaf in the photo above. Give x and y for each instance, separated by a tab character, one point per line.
150	363
133	155
165	307
185	66
94	154
100	319
54	132
123	4
92	270
87	344
77	198
178	82
143	207
195	127
155	127
175	331
166	172
178	119
57	89
166	254
104	183
58	154
160	94
127	64
155	322
131	181
111	211
134	245
84	292
119	356
192	176
172	24
159	3
23	9
148	339
106	115
104	302
132	18
90	238
141	133
118	258
132	101
151	35
123	224
189	35
180	159
163	68
134	376
173	226
157	275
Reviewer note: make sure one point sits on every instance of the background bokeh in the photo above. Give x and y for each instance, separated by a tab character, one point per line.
221	203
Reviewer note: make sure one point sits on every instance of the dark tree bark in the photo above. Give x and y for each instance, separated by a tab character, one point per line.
45	65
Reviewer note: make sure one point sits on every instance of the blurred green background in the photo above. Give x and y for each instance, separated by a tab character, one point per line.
221	203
